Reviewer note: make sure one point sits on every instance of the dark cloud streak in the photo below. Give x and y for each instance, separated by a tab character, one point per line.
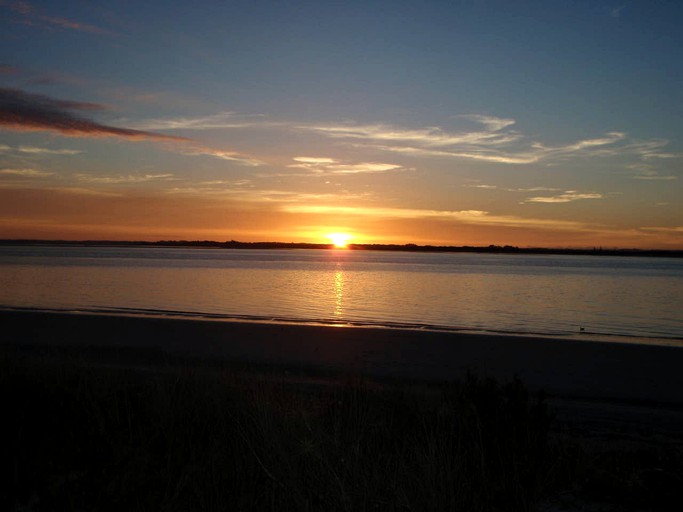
23	111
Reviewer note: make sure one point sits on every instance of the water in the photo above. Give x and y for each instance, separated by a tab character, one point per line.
534	294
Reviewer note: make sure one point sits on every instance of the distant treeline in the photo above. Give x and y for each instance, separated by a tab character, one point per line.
233	244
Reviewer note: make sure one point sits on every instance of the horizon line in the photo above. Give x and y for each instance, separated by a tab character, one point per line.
351	246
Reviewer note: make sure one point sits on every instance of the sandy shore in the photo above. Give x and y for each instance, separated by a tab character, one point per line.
565	368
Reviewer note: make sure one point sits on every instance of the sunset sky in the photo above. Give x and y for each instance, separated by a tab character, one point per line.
462	122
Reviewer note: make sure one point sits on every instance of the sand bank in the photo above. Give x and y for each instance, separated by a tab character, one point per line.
561	367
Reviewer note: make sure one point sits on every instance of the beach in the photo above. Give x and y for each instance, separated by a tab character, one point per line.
327	417
566	368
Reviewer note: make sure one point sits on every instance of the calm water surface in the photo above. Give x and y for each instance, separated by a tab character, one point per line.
626	296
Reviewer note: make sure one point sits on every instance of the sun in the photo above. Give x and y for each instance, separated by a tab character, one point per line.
340	240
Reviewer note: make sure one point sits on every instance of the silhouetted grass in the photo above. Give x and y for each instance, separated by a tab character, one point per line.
83	437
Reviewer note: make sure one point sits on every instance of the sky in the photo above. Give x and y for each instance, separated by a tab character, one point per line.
462	122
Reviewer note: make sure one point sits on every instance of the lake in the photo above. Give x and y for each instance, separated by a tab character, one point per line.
625	297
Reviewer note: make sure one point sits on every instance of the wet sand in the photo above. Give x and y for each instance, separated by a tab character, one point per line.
561	367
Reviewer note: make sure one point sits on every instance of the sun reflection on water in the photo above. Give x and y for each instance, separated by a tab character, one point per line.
338	293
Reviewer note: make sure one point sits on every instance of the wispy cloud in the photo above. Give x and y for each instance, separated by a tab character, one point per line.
46	151
32	77
232	156
23	111
655	177
28	14
646	171
243	191
332	166
314	160
429	137
221	120
68	24
6	69
675	229
481	154
25	173
488	187
209	187
492	139
97	192
465	216
506	189
608	139
32	150
533	189
645	150
567	197
493	142
490	122
114	180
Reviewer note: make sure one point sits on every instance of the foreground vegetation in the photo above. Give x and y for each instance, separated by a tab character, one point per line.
83	436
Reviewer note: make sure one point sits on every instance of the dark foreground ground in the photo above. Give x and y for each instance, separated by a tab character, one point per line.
105	413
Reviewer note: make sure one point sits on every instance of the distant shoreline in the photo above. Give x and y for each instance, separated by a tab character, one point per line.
233	244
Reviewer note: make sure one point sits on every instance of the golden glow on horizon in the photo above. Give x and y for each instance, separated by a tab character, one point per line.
340	240
40	214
